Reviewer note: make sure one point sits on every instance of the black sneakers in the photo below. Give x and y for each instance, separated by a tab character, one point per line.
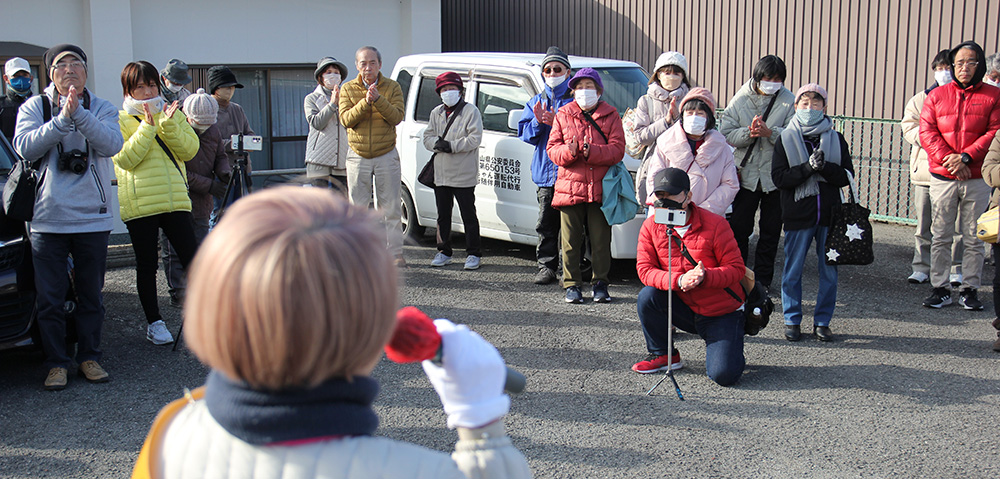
968	300
939	298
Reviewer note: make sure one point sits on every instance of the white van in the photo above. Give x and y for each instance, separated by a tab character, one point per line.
499	84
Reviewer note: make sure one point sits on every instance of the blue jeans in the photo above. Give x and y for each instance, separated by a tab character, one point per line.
796	246
50	256
723	335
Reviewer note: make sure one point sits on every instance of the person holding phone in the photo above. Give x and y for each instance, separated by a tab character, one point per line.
688	253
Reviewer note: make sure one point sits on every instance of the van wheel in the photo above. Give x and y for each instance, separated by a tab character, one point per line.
408	216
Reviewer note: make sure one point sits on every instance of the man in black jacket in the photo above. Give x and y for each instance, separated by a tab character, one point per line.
17	78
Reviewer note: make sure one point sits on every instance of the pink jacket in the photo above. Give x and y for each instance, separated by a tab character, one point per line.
580	179
712	171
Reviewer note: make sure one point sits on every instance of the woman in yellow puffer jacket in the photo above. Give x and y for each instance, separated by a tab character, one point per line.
152	183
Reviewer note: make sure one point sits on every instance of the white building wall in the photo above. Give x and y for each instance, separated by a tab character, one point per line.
114	32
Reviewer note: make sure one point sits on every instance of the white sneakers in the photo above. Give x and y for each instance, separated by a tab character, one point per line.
440	259
157	333
917	278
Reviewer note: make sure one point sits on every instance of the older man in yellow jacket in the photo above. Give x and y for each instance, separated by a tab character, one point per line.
371	106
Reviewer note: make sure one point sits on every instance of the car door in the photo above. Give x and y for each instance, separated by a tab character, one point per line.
506	201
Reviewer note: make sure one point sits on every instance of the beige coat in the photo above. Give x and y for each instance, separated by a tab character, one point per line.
460	168
910	124
991	170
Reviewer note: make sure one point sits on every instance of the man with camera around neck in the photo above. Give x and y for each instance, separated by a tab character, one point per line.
701	304
70	135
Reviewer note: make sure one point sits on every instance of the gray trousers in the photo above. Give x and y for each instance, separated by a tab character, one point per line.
964	201
922	248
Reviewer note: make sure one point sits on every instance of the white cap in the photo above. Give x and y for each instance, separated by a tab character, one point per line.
671	58
15	65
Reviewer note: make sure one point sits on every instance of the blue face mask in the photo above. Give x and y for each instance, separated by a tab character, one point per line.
808	116
21	85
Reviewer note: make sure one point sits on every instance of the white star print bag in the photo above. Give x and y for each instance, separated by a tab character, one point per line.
849	240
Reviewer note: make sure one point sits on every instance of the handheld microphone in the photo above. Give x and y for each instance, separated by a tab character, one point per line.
416	339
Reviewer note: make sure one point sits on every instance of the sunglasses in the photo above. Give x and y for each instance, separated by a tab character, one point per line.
555	70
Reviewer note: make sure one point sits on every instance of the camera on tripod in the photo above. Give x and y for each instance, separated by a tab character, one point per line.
73	160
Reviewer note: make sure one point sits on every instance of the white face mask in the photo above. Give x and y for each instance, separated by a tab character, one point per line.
769	87
199	127
991	82
172	86
671	81
553	82
134	107
942	77
587	99
331	80
451	97
694	124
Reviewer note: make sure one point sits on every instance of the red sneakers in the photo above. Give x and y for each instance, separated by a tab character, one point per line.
654	363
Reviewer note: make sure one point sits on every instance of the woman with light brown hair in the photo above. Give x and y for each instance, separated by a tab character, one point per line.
291	301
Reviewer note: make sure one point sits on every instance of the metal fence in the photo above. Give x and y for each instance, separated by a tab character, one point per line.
881	159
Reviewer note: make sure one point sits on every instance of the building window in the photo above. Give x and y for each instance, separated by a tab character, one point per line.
272	98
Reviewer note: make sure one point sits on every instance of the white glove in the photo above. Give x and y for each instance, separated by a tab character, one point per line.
471	378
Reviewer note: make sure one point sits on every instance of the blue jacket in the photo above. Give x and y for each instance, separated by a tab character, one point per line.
529	130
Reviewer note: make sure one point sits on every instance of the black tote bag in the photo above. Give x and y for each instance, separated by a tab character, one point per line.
850	238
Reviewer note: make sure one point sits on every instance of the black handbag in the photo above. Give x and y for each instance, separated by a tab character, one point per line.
426	176
850	237
19	191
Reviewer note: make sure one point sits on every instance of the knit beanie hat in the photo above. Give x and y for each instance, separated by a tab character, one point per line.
815	88
587	73
671	58
201	108
221	76
327	61
703	94
177	72
448	78
56	53
554	54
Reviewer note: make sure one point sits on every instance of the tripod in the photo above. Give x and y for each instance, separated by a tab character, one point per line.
670	320
238	187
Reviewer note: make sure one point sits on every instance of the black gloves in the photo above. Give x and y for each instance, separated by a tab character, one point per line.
816	160
442	146
218	189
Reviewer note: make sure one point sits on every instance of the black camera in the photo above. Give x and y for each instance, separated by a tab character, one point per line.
74	160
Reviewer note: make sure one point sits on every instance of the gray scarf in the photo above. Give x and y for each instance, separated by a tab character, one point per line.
793	139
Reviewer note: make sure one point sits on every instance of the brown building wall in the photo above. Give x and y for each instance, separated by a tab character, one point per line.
871	55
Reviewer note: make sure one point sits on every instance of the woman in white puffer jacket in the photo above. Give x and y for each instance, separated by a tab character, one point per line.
659	107
291	301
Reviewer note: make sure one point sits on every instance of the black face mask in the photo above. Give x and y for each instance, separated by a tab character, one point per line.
667	203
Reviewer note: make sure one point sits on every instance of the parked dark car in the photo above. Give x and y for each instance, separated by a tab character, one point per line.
17	290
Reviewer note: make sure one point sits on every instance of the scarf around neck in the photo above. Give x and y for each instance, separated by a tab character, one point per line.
654	90
334	408
793	139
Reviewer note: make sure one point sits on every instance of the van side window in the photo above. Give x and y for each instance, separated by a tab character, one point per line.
496	100
404	78
427	99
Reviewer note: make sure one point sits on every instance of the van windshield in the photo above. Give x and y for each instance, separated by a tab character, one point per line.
623	86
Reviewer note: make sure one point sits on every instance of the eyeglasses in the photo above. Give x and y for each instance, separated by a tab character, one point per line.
66	66
556	70
960	65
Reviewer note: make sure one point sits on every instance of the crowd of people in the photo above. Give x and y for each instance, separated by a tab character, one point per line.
770	153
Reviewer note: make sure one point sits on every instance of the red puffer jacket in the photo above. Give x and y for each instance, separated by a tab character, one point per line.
957	120
580	179
710	241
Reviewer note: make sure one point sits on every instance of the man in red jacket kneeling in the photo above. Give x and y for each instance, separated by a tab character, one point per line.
705	267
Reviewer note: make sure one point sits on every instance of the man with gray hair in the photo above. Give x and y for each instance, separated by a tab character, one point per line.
993	70
371	106
73	135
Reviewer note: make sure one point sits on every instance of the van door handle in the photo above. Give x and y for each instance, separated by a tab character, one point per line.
414	136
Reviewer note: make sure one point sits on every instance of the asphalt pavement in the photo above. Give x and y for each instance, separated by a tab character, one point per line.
904	391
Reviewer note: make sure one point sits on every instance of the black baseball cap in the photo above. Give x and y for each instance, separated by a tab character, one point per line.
672	181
